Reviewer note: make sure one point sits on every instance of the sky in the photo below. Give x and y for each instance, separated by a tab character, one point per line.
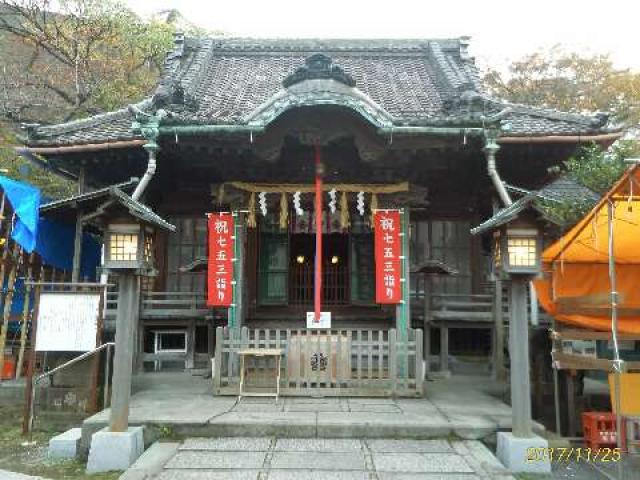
501	30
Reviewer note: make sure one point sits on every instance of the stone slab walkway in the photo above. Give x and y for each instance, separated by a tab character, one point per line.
271	458
186	405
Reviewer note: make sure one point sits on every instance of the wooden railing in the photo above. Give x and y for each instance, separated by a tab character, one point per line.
342	362
165	304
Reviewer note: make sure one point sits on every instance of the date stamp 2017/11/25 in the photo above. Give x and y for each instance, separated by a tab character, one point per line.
576	454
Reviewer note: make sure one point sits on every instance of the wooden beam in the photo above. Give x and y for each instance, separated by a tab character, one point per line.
568	361
606	137
591	335
87	147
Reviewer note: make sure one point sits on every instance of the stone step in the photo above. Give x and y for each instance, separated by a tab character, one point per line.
342	459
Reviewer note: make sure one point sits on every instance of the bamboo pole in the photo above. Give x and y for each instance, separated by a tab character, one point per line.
95	364
8	300
25	316
28	391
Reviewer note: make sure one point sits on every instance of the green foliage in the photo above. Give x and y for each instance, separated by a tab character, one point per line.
87	56
596	169
570	82
599	169
567	212
18	168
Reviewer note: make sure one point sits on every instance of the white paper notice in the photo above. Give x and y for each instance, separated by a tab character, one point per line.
67	322
324	322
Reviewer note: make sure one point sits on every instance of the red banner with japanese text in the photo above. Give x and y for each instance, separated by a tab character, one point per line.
220	271
388	248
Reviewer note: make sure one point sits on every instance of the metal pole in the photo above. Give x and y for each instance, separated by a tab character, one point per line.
556	387
617	362
519	353
123	357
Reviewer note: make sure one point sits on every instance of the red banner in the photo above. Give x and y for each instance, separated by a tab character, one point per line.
388	248
220	272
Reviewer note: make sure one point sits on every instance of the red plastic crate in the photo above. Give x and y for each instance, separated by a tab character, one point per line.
632	434
599	430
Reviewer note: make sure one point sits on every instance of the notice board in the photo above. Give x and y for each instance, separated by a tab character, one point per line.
67	321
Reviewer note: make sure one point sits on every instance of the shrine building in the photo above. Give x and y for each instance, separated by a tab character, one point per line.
280	135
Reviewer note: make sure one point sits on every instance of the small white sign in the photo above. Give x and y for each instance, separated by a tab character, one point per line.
323	323
67	322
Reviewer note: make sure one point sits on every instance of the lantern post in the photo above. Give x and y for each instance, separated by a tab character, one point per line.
128	255
517	256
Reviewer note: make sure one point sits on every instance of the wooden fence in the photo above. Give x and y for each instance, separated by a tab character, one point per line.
340	362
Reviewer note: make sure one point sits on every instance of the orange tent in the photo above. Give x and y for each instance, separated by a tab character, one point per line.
576	287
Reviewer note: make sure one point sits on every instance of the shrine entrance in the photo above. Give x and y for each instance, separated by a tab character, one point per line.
335	269
285	272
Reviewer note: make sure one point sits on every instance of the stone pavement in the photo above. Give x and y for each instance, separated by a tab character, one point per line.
271	458
186	406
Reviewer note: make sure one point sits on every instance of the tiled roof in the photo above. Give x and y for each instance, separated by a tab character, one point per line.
505	215
115	193
564	188
108	127
409	82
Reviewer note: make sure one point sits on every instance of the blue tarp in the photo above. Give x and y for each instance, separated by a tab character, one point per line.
55	246
25	201
50	239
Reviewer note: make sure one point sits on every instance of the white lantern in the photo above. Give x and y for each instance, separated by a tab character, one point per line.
129	246
518	248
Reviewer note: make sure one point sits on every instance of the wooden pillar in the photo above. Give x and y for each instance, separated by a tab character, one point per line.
77	240
444	348
240	265
210	339
123	356
138	330
519	359
572	418
427	321
190	359
498	334
406	252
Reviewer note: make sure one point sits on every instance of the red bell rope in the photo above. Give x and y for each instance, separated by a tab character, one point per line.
318	269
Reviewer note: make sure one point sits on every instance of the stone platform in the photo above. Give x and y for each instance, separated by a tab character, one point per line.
181	405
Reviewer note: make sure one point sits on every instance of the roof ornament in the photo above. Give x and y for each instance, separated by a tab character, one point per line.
319	66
